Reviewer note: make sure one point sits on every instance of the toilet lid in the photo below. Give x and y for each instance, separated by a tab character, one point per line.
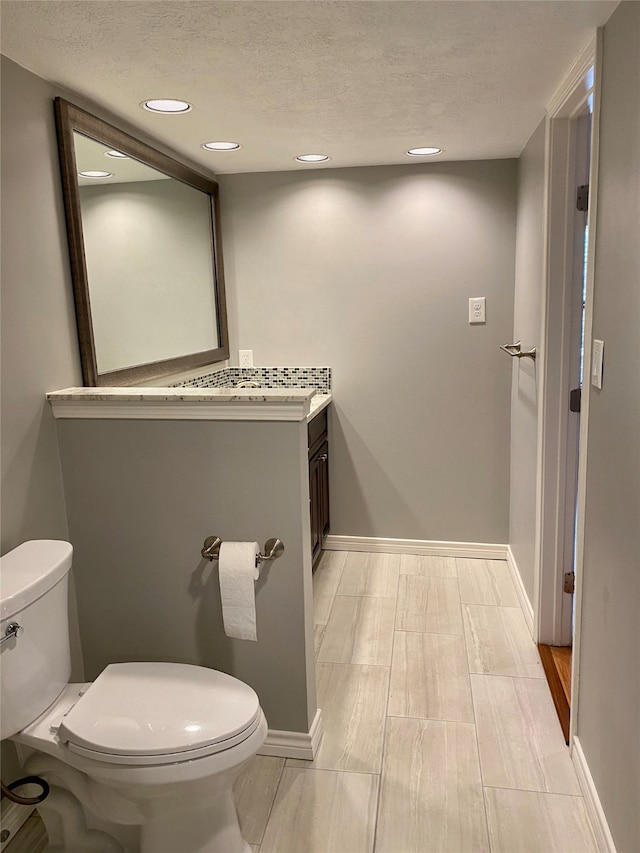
154	709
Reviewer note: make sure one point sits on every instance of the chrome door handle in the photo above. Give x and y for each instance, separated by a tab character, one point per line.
515	350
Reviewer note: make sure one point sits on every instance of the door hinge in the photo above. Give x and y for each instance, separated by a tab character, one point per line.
569	582
582	197
575	399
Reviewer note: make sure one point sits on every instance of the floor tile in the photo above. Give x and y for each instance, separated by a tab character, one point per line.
353	699
320	811
360	630
486	582
499	642
429	677
30	838
429	604
429	567
370	574
325	583
531	822
254	791
520	740
431	798
318	635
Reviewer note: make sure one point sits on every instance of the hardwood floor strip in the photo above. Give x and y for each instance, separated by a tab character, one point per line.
562	660
561	699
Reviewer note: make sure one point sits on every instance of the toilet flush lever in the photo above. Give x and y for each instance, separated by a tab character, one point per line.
13	630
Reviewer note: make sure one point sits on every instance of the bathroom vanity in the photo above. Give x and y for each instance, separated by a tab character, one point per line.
150	473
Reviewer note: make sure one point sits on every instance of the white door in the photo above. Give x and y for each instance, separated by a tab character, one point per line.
581	149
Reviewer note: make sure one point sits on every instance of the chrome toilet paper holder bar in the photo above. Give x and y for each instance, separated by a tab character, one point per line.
273	548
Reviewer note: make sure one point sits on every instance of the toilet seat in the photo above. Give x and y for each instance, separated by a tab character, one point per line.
159	713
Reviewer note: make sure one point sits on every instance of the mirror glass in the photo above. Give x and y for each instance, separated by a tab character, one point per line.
147	271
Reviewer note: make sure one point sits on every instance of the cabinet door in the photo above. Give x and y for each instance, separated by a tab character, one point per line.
323	490
315	503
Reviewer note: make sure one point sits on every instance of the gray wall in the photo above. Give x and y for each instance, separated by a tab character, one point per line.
609	709
369	270
526	328
142	497
39	349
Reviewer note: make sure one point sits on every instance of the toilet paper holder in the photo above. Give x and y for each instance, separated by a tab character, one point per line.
273	548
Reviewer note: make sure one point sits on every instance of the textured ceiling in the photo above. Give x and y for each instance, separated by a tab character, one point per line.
361	80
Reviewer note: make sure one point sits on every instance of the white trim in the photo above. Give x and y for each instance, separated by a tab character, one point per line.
550	482
597	818
14	816
554	377
562	97
554	387
182	410
303	745
523	598
421	547
586	389
542	360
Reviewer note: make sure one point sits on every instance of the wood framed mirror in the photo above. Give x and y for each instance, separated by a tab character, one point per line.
145	251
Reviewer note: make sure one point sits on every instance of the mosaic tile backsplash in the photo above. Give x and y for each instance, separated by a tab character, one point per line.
266	377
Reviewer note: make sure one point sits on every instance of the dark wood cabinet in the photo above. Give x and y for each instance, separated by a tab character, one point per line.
318	482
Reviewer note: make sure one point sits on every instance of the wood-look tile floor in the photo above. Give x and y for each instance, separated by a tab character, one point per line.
440	732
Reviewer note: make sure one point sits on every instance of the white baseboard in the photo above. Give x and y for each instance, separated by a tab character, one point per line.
295	744
421	547
523	598
13	817
604	839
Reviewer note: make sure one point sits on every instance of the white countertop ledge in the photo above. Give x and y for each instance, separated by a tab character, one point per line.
211	404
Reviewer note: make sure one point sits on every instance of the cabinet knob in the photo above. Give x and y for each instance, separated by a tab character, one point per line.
323	458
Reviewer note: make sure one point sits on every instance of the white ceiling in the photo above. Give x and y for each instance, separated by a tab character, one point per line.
361	80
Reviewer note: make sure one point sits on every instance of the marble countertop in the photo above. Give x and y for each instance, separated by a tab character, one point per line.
174	403
192	395
318	403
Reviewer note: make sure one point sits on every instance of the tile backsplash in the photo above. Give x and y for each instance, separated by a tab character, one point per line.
266	377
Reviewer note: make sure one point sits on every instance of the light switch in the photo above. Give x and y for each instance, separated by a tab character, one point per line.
597	361
477	309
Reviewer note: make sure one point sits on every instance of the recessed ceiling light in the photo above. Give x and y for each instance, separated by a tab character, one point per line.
312	158
166	105
221	146
423	152
117	154
94	173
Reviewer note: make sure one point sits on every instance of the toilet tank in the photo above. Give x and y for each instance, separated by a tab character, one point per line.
34	666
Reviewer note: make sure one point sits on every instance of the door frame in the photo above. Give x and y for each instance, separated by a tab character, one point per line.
554	384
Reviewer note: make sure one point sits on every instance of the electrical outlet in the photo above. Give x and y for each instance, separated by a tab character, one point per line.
477	309
245	357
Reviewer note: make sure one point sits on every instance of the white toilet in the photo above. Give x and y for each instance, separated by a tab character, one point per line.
143	758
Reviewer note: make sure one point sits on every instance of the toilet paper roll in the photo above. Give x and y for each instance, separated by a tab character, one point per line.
238	573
